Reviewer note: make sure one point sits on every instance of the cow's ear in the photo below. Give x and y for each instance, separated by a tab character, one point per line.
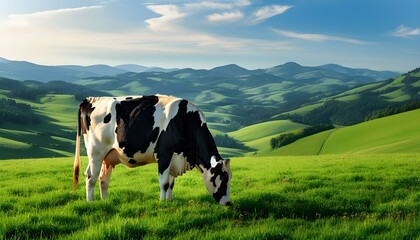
226	161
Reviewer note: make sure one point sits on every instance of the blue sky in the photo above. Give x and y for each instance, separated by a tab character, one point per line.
376	34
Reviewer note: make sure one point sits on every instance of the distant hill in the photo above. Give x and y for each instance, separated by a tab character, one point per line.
23	70
94	70
360	103
138	68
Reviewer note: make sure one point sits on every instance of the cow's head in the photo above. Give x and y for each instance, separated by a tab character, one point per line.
217	180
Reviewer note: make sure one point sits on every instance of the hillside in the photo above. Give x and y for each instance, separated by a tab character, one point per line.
360	103
239	96
398	133
39	119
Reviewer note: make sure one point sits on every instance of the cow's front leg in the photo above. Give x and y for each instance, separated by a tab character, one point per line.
92	174
104	178
164	183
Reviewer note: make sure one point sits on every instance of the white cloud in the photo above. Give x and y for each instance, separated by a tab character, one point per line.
77	17
243	3
209	5
226	16
266	12
317	37
406	32
170	14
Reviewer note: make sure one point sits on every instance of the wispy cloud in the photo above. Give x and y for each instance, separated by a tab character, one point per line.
405	32
169	15
267	12
207	5
317	37
225	16
66	17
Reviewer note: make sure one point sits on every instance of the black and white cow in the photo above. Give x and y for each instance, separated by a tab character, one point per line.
136	131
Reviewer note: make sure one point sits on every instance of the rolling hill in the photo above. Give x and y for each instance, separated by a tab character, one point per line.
239	96
360	103
398	133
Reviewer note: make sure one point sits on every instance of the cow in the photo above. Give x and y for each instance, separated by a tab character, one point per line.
140	130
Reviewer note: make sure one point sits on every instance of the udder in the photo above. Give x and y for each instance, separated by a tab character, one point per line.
112	158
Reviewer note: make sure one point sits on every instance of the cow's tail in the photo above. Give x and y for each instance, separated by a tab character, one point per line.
76	164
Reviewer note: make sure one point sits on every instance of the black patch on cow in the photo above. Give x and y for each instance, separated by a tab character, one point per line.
128	98
85	111
107	118
186	133
132	161
224	178
135	124
154	135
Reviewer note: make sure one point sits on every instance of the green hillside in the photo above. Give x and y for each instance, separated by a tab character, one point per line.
265	129
244	97
394	134
360	103
53	137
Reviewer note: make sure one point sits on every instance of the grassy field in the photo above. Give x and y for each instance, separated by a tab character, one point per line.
317	197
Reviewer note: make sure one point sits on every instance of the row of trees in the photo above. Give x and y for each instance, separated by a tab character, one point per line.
291	137
31	90
14	112
229	142
393	110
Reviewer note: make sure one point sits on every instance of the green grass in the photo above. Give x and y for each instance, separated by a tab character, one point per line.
318	197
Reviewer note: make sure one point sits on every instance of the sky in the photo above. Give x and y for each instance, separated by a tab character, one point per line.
375	34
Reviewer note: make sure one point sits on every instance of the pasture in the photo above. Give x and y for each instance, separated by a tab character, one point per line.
374	196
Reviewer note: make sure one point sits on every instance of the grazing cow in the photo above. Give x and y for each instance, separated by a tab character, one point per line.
136	131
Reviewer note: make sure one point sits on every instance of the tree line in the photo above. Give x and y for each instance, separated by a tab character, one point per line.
290	137
19	113
230	142
31	90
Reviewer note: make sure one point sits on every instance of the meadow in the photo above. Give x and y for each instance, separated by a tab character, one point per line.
352	196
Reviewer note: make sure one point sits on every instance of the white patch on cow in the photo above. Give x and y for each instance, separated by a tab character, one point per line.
179	165
206	178
170	110
213	162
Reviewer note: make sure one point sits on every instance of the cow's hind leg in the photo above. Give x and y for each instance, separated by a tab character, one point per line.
108	164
